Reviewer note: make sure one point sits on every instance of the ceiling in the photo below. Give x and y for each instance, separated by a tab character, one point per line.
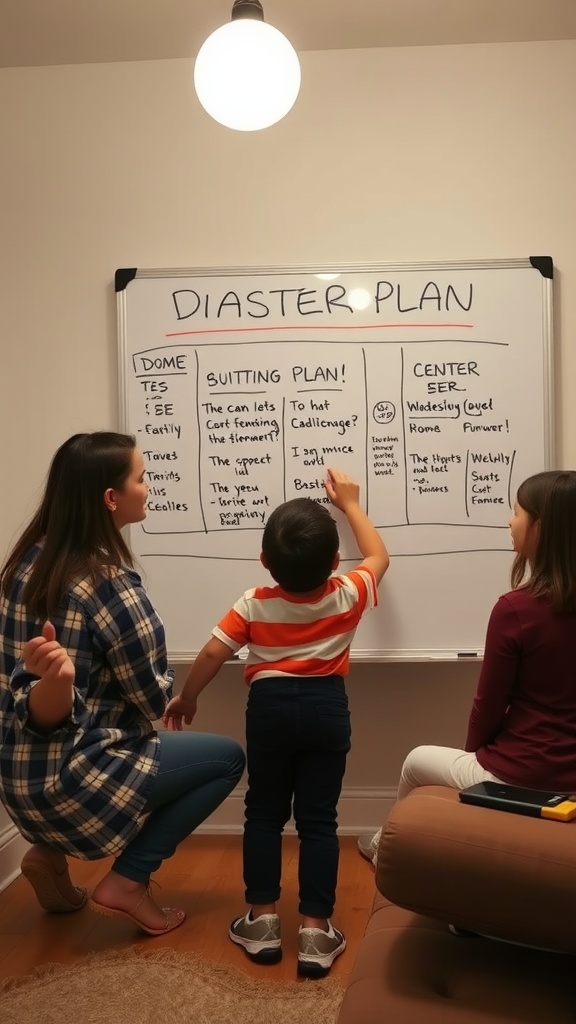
40	32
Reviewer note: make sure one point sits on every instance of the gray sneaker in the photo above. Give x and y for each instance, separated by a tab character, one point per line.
368	845
317	950
260	938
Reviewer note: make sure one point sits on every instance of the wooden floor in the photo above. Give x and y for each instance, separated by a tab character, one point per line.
204	877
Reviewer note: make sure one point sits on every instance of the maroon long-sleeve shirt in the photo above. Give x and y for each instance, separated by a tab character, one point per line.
522	724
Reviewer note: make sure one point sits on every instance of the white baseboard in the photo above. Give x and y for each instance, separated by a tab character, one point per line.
360	810
12	849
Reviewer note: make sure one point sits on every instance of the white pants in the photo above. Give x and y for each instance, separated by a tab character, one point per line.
441	766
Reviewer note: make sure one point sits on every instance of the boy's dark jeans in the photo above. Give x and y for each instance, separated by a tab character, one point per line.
297	739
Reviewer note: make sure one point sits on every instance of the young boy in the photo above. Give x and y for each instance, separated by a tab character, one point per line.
298	635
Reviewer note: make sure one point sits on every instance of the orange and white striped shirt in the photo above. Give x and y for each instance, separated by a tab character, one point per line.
290	635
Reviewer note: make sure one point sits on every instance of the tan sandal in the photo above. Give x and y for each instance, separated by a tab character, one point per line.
51	887
99	908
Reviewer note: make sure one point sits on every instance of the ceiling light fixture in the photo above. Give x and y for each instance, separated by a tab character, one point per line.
247	74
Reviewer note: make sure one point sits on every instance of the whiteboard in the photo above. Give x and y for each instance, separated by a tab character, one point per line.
430	383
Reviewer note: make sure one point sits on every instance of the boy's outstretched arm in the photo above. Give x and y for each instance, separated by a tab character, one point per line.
206	665
344	493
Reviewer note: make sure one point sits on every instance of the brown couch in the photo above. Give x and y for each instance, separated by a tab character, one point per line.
512	877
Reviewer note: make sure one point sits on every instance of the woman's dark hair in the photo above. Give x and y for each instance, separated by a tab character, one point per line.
300	543
550	500
78	534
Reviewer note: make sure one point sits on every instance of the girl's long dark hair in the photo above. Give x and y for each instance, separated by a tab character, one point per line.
79	537
550	499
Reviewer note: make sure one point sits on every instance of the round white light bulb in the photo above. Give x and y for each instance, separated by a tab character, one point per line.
247	75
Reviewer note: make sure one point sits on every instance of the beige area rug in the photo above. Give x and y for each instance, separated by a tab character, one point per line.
165	987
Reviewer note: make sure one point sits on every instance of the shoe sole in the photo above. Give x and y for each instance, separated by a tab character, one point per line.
269	955
47	893
367	854
99	908
320	966
305	970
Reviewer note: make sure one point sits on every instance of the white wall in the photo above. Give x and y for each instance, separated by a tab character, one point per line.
389	155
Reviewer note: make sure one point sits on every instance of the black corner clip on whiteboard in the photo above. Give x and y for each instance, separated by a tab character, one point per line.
544	264
123	276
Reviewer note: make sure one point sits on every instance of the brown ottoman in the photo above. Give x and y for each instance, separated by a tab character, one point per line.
411	970
484	870
489	871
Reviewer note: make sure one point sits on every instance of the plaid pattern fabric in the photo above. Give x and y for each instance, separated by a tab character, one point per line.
82	788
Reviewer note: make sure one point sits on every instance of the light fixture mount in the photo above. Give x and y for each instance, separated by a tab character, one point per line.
247	9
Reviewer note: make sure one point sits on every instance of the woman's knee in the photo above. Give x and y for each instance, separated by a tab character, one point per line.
236	759
229	753
189	750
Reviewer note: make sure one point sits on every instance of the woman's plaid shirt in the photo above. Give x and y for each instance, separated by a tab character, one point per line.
83	787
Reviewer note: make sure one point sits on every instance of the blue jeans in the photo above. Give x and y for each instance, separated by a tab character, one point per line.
197	772
297	739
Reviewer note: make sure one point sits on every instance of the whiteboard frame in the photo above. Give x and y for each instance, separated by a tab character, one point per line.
124	276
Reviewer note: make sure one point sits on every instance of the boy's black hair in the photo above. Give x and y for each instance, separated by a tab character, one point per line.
300	544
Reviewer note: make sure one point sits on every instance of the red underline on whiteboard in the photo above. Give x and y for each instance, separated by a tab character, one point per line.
360	327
